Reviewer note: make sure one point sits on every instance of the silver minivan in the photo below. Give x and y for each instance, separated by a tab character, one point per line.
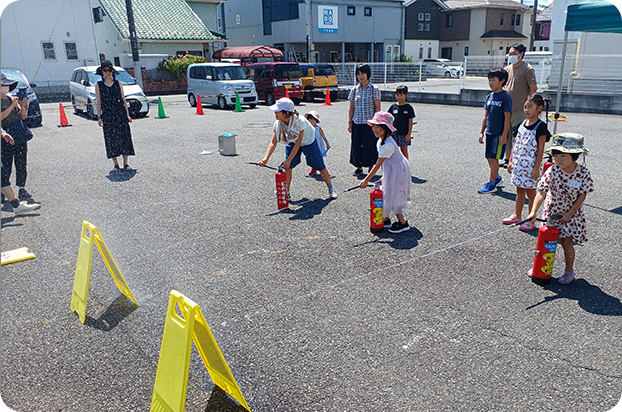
82	90
217	83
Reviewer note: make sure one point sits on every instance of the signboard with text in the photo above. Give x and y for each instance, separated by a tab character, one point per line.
327	19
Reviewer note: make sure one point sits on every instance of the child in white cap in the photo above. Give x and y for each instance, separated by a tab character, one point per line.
314	118
563	189
396	180
299	137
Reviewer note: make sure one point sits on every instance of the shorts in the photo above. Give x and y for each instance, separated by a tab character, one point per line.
493	149
312	154
400	139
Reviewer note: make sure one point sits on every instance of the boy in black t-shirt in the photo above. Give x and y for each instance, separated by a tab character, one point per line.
403	113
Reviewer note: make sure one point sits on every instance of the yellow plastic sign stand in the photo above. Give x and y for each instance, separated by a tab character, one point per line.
82	279
171	382
16	255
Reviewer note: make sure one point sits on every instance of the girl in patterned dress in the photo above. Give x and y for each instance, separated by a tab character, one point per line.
563	189
526	158
396	179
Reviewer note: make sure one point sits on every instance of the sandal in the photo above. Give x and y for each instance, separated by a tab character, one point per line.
511	220
127	168
567	278
527	227
115	169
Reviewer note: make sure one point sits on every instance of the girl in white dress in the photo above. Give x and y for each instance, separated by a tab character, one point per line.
396	180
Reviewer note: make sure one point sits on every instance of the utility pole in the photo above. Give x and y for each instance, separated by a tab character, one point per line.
533	25
134	43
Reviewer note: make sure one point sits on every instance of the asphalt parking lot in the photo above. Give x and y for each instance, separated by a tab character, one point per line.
312	312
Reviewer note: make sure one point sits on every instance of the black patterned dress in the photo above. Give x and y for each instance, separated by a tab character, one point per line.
117	133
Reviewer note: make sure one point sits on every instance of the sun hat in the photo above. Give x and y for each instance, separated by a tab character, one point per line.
283	105
384	118
105	63
314	114
568	143
9	82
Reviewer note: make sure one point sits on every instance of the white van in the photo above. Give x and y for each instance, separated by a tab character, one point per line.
217	84
82	90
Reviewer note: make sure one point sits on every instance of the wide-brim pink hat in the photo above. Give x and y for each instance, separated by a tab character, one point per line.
384	118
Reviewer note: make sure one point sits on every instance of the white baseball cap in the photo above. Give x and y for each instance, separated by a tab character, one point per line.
283	105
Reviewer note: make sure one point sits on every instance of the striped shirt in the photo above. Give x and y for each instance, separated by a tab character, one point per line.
364	105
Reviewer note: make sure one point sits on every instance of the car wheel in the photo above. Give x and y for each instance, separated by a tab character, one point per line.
222	103
308	96
75	107
447	74
269	99
192	100
90	113
252	106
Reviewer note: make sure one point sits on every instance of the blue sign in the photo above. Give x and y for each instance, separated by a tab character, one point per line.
327	19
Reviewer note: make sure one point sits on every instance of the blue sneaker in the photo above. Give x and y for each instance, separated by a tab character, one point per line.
498	180
488	187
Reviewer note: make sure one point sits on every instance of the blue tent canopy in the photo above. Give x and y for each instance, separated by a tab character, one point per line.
594	16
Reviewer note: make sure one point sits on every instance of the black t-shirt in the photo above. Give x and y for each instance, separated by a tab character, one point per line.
541	130
401	114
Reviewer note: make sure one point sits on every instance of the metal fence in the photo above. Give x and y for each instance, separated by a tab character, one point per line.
585	74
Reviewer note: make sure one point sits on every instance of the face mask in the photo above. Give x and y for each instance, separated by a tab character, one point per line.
512	59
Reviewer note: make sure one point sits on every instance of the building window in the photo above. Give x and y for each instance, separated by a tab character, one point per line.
512	20
518	19
71	51
446	53
49	54
98	14
368	11
420	53
420	27
449	20
427	27
420	16
541	31
351	11
466	50
429	52
501	20
277	10
427	17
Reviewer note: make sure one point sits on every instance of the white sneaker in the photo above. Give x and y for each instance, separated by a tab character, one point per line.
25	207
332	193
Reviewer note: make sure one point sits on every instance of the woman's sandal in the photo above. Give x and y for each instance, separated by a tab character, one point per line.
567	278
115	169
127	168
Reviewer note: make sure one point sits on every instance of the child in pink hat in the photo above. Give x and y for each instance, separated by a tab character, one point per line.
396	179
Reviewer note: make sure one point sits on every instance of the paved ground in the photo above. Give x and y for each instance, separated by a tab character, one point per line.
312	312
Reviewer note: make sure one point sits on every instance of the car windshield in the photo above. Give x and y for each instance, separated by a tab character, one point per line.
16	75
287	71
324	71
123	76
229	73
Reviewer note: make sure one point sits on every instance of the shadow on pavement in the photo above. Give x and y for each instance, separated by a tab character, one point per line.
118	310
219	401
418	181
589	297
309	209
402	241
122	176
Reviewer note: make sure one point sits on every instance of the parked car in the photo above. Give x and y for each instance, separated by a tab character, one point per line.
273	79
34	117
441	68
82	90
217	83
315	78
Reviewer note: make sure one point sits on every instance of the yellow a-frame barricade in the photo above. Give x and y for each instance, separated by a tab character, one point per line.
80	293
171	382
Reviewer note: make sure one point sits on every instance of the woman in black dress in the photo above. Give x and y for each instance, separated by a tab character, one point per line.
114	116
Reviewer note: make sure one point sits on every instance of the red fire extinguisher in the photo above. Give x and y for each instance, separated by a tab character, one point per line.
549	162
376	221
282	194
546	246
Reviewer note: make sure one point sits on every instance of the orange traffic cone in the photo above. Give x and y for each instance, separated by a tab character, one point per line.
327	100
287	93
63	117
199	106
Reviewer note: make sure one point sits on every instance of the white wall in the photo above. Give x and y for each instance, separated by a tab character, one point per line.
411	48
57	21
